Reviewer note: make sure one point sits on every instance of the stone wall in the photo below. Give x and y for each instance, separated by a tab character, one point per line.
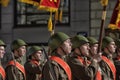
96	14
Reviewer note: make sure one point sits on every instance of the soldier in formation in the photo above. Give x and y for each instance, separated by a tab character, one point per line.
15	67
34	64
75	58
82	68
56	68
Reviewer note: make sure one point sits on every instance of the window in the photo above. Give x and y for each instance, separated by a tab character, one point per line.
28	15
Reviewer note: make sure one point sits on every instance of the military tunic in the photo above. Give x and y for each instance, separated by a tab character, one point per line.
33	70
80	71
106	71
59	71
13	73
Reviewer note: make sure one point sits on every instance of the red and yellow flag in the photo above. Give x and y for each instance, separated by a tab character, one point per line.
4	3
51	6
115	19
32	2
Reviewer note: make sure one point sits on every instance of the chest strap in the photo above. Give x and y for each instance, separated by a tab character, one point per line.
2	72
111	66
64	65
19	66
34	62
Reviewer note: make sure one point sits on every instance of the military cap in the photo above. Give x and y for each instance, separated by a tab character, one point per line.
106	41
2	43
92	40
34	49
17	44
78	40
56	40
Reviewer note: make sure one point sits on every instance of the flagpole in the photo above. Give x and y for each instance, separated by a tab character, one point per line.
104	4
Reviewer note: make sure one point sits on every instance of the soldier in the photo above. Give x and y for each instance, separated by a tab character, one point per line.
93	43
60	46
2	52
15	69
117	59
106	64
82	68
34	64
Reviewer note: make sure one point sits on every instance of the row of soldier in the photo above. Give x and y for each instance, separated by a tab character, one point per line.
75	58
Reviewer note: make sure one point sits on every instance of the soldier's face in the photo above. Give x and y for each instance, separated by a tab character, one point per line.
2	51
22	51
112	47
67	46
93	49
85	49
38	55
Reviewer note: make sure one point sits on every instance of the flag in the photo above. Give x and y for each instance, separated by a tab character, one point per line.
4	3
51	6
115	19
32	2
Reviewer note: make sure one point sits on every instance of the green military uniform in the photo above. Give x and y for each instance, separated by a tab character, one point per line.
33	67
107	73
79	70
15	69
13	73
58	72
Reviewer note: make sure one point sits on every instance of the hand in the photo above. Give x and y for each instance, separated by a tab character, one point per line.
97	57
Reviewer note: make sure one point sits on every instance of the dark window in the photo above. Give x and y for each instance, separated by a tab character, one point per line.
27	15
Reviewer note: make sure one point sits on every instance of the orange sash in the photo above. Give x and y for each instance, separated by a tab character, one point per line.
34	62
64	65
2	72
111	65
19	66
98	74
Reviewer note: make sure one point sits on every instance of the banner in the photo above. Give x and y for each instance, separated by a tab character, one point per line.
49	5
115	19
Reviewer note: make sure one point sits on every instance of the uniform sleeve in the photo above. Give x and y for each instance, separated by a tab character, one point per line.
46	75
79	71
31	68
10	73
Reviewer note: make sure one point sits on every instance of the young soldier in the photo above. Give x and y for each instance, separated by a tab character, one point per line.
60	46
15	69
34	64
107	65
93	43
117	59
2	52
82	68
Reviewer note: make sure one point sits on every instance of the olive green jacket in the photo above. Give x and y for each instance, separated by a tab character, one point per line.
106	71
80	71
59	71
33	71
12	73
